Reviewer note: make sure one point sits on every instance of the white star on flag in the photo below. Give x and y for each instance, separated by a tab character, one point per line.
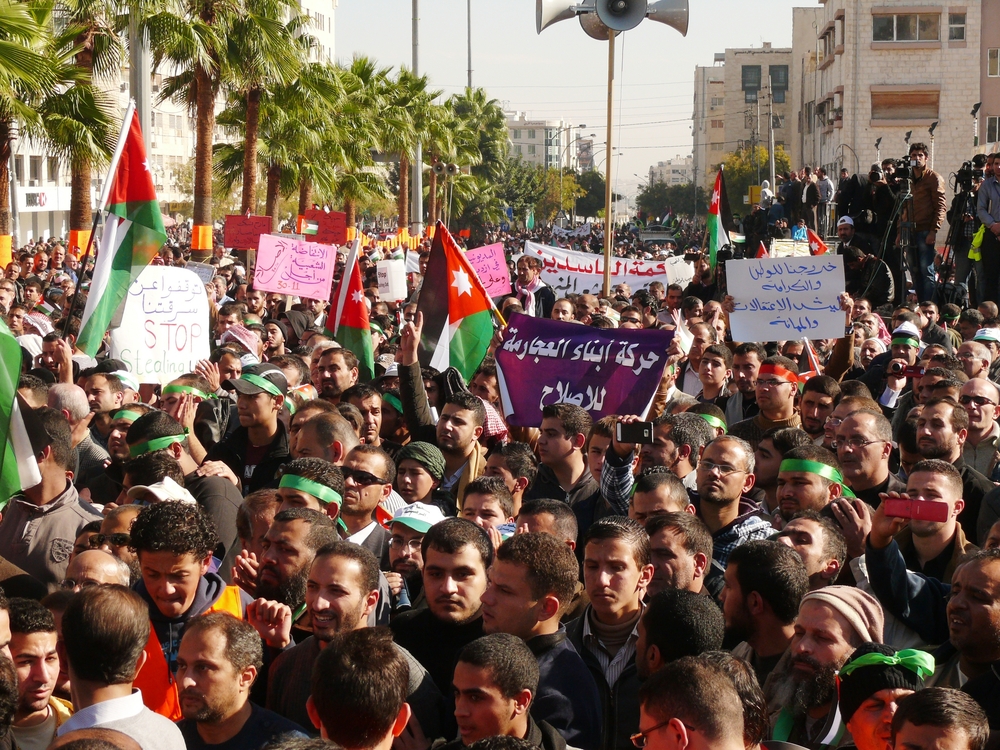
715	199
146	164
357	296
814	246
460	280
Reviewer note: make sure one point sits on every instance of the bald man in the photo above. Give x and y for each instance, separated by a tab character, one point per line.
976	359
95	567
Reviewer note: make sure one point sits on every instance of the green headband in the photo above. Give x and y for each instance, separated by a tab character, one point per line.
126	414
394	402
321	492
376	327
185	389
156	444
906	341
714	421
264	383
916	661
290	404
815	467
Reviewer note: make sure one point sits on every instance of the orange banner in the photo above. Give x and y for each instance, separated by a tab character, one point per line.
78	239
6	242
201	237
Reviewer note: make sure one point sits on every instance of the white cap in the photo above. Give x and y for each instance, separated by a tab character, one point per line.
907	329
418	516
163	491
128	380
987	334
845	220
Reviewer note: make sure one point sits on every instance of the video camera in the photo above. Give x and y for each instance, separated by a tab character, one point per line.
897	369
967	176
901	168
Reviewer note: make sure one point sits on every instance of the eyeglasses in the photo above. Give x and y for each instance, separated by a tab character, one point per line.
771	383
115	540
966	355
69	584
639	738
724	469
362	478
977	400
854	443
398	542
833	422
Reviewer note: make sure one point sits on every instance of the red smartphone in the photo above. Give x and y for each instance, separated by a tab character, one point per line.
920	510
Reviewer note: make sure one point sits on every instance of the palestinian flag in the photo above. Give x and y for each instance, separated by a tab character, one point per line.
816	245
19	468
307	226
133	233
762	251
717	234
457	311
348	321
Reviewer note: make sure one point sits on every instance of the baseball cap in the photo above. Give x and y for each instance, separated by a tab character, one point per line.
163	491
987	334
418	516
262	378
845	220
908	329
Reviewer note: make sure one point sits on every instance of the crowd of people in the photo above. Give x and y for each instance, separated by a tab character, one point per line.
269	552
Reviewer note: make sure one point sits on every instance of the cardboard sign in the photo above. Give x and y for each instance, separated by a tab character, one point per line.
786	298
243	232
391	279
289	266
204	271
332	228
164	325
491	265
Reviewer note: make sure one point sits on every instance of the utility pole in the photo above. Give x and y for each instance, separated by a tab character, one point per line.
770	132
469	16
417	178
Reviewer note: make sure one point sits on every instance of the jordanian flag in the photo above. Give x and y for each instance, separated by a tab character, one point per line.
133	233
457	311
19	468
717	235
348	321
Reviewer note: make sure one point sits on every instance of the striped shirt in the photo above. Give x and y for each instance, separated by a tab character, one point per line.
611	667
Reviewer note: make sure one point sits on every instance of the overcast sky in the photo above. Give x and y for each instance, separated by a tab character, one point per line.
562	73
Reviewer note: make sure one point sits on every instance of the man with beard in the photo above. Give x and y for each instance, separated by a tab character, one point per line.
369	403
802	690
341	594
765	583
106	487
311	483
776	388
942	427
809	478
336	371
820	543
406	562
819	396
725	475
747	359
33	651
680	550
768	454
676	624
535	295
105	395
217	663
288	551
871	685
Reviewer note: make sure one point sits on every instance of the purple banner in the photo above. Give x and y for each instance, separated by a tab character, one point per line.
606	371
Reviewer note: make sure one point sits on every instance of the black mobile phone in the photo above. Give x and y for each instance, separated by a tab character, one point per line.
636	432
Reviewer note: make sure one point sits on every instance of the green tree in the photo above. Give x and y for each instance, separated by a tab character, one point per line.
592	203
740	170
521	185
656	199
548	206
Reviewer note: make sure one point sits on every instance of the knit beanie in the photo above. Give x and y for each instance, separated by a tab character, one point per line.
859	678
425	454
859	608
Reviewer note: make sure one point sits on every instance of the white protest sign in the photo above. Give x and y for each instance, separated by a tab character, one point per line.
164	325
391	279
786	298
568	271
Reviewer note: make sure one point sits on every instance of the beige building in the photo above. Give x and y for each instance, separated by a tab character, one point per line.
709	120
546	143
676	171
989	77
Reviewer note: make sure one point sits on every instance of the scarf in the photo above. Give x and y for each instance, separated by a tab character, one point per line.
526	294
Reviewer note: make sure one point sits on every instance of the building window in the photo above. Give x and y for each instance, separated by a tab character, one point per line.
718	101
779	96
531	135
718	124
915	104
751	77
19	169
717	147
531	150
779	76
53	169
749	97
992	129
35	169
907	27
956	27
517	148
516	135
993	62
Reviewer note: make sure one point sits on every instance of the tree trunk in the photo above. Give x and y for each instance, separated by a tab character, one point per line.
81	216
351	209
273	193
5	146
403	201
205	113
432	183
250	151
305	194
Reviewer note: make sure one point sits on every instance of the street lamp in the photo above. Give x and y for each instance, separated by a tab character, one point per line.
562	153
604	19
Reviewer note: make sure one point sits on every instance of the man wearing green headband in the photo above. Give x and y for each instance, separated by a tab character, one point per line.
106	487
259	446
105	395
809	478
208	423
311	483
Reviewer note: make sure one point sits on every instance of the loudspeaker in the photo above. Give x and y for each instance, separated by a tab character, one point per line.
451	170
548	12
594	27
621	15
439	168
673	13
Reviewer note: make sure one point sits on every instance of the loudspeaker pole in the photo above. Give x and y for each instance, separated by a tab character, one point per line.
417	176
609	229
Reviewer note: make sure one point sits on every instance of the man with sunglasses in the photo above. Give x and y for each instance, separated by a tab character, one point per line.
368	477
981	399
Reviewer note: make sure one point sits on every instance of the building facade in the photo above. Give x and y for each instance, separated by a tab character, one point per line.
676	171
545	143
708	121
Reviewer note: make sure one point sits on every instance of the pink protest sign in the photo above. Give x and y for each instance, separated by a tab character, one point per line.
491	265
290	266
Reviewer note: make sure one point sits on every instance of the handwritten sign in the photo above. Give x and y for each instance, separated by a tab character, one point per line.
288	266
203	271
243	232
786	298
164	325
391	275
605	371
491	265
332	226
571	272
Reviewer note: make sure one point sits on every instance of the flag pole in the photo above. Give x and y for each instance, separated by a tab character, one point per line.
101	205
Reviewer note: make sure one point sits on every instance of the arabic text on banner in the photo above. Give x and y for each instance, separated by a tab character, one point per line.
164	325
491	265
786	298
290	266
571	272
606	371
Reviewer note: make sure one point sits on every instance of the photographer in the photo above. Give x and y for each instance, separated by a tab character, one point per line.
928	212
963	221
988	212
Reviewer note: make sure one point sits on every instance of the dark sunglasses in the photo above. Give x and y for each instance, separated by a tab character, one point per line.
115	540
362	478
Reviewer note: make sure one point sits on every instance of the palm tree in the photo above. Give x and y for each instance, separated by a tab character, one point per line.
486	117
413	94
